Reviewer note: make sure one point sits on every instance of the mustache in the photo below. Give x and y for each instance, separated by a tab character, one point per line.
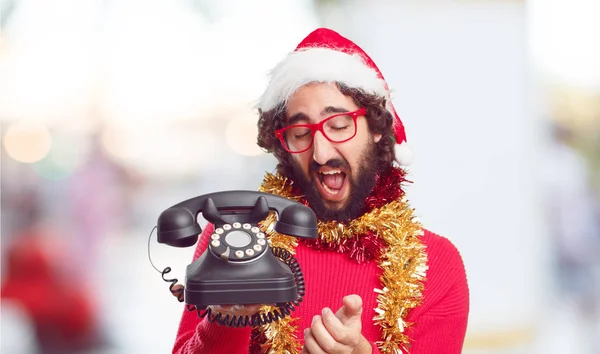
333	163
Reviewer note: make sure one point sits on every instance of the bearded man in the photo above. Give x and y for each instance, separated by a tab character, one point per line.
376	280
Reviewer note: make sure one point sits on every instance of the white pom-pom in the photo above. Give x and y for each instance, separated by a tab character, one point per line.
404	155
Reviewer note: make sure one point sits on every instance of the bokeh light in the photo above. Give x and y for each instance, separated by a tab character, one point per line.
122	144
27	142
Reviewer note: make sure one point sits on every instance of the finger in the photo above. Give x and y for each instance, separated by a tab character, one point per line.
351	310
334	326
220	308
236	310
322	335
177	291
252	307
310	343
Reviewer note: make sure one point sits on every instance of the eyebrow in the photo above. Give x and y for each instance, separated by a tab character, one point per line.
303	117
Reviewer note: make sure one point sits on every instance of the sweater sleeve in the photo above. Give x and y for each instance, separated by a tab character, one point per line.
197	335
440	323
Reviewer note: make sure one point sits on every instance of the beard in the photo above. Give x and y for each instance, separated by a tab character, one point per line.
361	182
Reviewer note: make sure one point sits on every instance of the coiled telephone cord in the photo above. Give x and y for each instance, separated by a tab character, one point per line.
257	319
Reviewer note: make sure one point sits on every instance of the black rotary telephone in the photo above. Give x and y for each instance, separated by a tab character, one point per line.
239	266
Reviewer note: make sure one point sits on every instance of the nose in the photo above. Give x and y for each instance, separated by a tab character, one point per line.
323	149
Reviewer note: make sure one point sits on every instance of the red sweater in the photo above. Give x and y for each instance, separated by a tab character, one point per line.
439	323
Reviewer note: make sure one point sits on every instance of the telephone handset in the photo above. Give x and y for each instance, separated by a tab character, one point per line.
237	267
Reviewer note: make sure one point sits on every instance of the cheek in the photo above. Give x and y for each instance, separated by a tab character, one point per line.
354	149
351	153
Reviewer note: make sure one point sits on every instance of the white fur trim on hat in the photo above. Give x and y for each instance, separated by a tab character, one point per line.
319	65
404	155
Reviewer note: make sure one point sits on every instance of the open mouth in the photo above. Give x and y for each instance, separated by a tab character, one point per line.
332	184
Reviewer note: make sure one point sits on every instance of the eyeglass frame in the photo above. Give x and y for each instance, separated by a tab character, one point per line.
318	127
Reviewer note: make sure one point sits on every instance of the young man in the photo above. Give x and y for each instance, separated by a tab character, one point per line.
376	281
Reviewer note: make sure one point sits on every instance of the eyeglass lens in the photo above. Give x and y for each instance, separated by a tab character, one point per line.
336	129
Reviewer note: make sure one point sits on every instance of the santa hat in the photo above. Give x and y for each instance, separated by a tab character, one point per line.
326	56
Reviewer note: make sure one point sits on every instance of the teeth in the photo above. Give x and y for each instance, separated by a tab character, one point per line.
331	172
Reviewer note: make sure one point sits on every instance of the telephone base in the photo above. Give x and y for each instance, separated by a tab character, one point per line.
212	281
252	293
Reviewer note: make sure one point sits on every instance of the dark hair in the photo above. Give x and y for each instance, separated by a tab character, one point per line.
379	119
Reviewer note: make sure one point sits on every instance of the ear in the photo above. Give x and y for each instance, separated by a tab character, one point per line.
376	138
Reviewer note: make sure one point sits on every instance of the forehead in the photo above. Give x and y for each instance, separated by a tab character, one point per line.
314	99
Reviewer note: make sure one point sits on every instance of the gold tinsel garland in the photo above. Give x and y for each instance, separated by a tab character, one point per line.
403	265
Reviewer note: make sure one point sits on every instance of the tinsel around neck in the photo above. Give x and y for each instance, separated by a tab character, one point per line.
349	237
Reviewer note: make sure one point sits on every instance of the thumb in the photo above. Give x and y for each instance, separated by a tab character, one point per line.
351	311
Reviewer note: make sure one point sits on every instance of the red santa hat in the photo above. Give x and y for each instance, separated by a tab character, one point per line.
326	56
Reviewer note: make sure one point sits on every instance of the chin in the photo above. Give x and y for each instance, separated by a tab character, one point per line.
335	205
332	210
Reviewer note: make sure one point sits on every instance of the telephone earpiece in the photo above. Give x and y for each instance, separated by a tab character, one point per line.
178	227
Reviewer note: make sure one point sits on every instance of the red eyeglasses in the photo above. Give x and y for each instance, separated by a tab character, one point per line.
338	128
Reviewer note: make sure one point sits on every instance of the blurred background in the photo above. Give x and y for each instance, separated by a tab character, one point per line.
113	111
